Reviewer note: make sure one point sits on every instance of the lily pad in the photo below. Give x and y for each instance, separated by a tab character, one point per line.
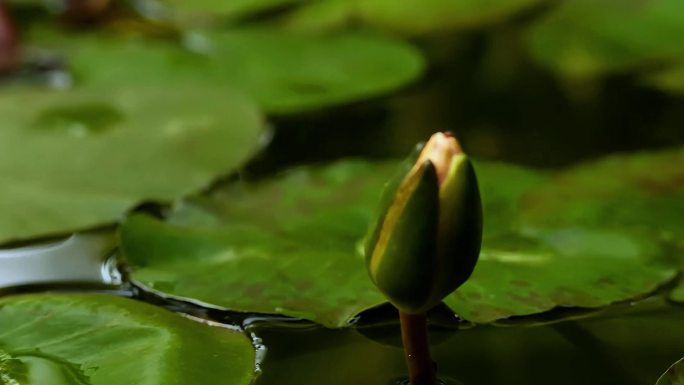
287	246
284	72
412	17
674	374
96	339
223	9
677	293
584	38
76	159
609	225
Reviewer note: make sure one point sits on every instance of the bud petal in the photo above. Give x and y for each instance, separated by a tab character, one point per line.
459	233
400	260
427	239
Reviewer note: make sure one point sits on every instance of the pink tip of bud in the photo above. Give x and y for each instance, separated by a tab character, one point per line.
440	150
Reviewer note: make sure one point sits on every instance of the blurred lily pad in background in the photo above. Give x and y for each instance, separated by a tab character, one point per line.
90	339
583	38
270	249
412	17
76	159
201	10
284	72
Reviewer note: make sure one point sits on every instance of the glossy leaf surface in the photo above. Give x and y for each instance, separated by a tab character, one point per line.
95	339
287	245
74	159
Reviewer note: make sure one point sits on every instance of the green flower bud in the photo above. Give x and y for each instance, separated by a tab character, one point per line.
427	238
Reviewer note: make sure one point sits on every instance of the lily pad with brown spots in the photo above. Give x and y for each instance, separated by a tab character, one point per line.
288	245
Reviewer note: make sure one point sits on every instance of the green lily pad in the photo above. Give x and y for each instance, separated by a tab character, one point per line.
287	246
674	374
644	191
609	225
96	339
283	72
591	37
223	9
76	159
410	16
678	293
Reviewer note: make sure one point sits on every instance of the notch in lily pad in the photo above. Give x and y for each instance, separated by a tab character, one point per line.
426	241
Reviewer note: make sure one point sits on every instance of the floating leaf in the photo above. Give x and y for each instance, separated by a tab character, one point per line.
76	159
223	9
284	72
95	339
591	37
677	293
610	223
644	191
409	16
674	374
286	246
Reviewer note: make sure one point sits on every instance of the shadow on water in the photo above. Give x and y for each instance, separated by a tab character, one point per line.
630	345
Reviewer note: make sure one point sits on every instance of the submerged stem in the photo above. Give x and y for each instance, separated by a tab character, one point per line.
414	335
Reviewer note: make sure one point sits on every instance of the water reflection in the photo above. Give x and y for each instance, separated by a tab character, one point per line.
630	346
80	258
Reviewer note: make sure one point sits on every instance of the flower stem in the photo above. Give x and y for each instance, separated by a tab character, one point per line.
416	348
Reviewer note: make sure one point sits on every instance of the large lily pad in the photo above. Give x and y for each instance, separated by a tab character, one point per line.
608	226
283	72
674	374
286	246
97	339
591	37
409	16
223	9
76	159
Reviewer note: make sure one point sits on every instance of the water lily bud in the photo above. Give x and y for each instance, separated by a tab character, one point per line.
427	238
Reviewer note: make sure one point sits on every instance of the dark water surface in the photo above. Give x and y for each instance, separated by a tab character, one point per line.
632	346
